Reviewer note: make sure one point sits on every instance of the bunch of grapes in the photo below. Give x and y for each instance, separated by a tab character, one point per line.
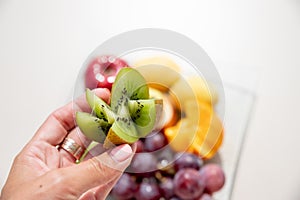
158	173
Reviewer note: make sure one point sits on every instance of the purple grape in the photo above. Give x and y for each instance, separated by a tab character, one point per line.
167	188
174	198
155	141
125	188
165	160
188	184
187	160
214	177
205	197
144	164
148	191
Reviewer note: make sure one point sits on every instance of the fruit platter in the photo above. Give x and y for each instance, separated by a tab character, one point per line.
173	113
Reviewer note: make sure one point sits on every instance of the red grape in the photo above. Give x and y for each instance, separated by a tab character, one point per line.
167	187
174	198
148	191
101	71
187	160
144	164
214	177
155	141
139	146
188	184
125	188
165	159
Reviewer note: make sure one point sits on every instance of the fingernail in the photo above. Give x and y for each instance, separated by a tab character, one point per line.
121	153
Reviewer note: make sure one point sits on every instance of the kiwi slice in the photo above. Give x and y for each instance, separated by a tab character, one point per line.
93	127
99	107
144	123
129	84
130	115
122	131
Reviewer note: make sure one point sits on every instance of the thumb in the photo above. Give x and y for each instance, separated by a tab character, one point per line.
96	171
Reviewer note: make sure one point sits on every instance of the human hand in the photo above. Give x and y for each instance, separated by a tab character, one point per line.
43	171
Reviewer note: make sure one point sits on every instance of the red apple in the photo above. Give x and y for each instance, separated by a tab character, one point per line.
101	71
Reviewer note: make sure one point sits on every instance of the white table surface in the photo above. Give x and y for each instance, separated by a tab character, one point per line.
44	43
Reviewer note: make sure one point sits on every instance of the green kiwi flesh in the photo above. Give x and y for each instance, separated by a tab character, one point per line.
143	114
130	116
125	129
93	127
99	107
129	83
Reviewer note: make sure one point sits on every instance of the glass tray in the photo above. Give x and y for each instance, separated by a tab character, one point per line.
238	107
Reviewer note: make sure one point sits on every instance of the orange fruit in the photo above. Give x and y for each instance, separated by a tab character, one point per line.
160	72
203	136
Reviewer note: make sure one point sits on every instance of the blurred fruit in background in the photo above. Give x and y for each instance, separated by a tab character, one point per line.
169	115
188	117
204	91
125	188
102	71
160	72
214	177
202	137
189	184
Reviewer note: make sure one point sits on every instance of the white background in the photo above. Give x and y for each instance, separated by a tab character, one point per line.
44	43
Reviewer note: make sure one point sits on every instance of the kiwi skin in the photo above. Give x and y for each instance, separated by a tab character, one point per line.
117	135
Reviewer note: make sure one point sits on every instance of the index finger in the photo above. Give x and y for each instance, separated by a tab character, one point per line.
62	121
